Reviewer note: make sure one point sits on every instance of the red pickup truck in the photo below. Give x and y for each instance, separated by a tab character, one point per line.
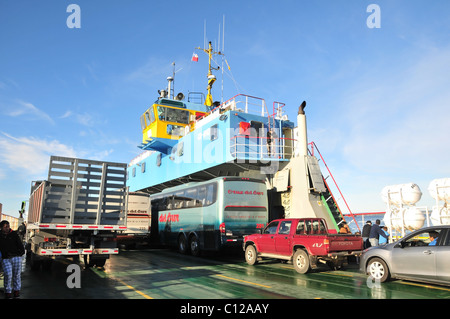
305	241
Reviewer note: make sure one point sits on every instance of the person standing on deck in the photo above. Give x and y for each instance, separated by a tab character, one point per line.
375	233
365	234
11	248
383	240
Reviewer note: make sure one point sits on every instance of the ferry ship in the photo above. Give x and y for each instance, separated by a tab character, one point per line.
191	139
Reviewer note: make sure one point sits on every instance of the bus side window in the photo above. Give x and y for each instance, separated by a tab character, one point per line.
211	194
191	197
178	200
162	203
201	196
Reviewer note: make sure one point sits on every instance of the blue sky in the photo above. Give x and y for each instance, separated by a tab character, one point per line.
378	98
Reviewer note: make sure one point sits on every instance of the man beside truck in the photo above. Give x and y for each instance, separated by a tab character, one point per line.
12	250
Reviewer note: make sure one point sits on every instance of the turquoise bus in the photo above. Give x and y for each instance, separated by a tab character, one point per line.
210	215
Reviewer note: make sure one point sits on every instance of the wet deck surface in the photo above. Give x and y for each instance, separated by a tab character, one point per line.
165	274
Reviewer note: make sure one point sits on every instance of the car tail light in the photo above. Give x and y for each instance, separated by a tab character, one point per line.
222	228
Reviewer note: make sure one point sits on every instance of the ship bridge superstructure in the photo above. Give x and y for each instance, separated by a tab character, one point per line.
239	137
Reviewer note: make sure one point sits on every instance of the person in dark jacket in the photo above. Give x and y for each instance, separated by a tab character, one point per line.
375	233
12	249
365	234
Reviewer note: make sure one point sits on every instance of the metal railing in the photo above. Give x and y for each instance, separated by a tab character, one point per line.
258	148
247	104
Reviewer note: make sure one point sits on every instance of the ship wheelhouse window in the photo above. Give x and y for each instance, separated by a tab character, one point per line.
174	129
172	103
149	116
143	125
173	115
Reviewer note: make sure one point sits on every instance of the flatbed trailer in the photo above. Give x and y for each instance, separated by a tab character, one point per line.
78	211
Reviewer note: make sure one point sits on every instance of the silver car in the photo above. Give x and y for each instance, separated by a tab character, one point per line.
423	255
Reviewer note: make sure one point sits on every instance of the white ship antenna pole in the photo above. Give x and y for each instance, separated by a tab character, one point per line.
218	41
223	48
204	34
173	81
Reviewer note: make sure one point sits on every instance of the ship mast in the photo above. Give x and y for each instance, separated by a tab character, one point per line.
211	77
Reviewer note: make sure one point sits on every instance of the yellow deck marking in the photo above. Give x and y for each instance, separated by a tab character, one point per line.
247	282
287	267
336	274
132	288
425	286
324	273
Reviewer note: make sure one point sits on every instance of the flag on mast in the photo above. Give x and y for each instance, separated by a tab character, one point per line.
195	57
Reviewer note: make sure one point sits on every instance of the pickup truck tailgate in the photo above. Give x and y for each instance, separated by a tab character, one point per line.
345	243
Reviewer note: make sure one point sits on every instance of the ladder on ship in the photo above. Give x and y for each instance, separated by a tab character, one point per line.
327	196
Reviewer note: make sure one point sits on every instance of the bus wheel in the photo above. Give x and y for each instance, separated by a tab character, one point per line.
250	255
182	244
195	246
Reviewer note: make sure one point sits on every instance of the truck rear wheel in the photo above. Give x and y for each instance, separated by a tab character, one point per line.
301	261
250	255
89	261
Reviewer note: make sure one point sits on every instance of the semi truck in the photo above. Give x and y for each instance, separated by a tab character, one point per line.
78	211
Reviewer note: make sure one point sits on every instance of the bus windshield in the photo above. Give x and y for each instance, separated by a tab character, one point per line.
245	206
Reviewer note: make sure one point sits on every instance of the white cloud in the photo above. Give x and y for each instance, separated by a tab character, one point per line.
30	155
84	119
27	111
66	115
